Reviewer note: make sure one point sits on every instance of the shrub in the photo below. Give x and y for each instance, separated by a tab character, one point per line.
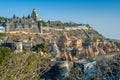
3	34
4	53
40	47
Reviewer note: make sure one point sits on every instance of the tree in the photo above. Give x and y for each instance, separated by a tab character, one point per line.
76	74
43	23
40	47
117	44
87	39
4	53
24	66
2	18
3	34
108	68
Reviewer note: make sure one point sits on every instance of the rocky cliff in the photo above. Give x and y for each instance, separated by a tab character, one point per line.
78	43
67	48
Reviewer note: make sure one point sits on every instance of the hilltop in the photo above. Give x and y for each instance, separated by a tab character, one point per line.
32	49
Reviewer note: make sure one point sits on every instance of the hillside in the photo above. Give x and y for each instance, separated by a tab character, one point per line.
55	34
58	50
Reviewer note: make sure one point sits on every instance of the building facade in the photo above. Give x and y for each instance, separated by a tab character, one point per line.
27	24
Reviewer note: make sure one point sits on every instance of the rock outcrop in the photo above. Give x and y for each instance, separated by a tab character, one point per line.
54	48
73	48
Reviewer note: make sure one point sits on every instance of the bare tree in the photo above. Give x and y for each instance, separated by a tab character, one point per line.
24	66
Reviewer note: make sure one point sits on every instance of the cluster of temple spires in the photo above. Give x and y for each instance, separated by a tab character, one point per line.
31	23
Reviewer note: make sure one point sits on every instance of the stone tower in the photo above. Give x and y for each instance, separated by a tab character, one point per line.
40	26
7	26
14	16
19	46
35	15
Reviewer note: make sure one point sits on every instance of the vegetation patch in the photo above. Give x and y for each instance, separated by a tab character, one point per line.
3	34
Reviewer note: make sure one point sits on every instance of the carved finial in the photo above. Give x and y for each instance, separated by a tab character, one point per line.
14	16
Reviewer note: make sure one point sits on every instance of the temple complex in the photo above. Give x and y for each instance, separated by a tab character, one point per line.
31	23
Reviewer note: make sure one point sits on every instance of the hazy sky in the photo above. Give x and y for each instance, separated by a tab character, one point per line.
102	15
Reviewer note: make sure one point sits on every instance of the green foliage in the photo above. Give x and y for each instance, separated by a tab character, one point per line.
2	18
4	53
117	44
76	74
87	39
32	59
43	23
23	66
3	34
87	25
40	47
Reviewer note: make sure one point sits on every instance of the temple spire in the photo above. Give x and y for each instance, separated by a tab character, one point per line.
14	16
35	15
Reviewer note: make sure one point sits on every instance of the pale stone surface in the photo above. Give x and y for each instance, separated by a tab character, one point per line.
28	24
35	15
87	66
